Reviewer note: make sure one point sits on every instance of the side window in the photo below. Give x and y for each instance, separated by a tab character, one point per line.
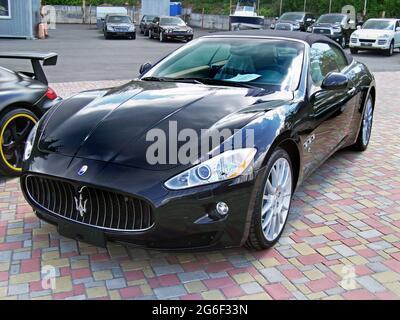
325	58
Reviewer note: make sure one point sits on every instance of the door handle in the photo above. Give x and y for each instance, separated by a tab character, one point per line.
352	90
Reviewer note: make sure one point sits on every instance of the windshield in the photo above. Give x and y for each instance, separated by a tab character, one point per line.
379	25
331	18
149	18
119	19
266	63
292	16
172	21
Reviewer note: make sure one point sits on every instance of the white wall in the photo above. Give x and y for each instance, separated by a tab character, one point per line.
156	7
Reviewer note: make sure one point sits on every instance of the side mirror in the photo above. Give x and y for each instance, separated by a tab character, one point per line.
351	21
276	18
335	81
397	29
309	20
145	67
358	27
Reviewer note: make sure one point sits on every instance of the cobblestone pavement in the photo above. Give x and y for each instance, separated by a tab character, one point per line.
342	240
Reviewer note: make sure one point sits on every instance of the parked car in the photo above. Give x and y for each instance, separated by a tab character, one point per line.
376	34
290	99
168	28
294	21
118	25
24	98
144	24
337	26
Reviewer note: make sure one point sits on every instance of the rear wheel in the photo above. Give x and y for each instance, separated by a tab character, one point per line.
343	42
272	202
15	127
364	134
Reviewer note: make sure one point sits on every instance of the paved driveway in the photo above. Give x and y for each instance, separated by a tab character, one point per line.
342	240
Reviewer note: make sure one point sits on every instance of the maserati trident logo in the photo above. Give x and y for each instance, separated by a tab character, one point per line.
80	204
82	170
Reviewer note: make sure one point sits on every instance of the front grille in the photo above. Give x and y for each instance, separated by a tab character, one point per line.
120	29
88	205
322	31
367	40
283	26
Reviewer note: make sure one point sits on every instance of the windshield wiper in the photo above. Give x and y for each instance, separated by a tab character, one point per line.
164	79
220	82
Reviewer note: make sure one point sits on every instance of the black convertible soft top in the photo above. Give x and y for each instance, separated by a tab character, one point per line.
307	37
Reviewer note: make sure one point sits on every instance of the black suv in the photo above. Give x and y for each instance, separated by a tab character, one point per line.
165	28
119	25
294	21
337	26
144	24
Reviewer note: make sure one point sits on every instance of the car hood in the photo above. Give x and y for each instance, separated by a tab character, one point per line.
123	25
371	33
111	125
326	25
174	27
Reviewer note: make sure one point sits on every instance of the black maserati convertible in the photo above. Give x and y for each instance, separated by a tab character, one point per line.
24	98
125	164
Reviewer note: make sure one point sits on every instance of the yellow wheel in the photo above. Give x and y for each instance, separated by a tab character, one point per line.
15	127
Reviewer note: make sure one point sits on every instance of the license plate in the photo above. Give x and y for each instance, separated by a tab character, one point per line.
120	33
366	44
82	233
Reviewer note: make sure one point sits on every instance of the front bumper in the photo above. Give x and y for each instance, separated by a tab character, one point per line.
121	33
179	35
181	218
378	44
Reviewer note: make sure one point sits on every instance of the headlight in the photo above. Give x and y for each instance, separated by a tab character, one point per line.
189	30
296	26
384	36
354	35
109	28
29	143
132	28
225	166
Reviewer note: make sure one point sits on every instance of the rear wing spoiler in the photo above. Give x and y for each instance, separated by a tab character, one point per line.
49	59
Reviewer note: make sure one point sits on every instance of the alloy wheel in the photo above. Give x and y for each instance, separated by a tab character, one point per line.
276	199
367	122
13	137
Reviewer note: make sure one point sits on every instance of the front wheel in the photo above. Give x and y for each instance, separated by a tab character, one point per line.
353	51
389	52
364	134
272	203
15	127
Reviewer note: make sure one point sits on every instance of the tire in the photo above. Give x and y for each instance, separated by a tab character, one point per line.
146	32
343	42
389	52
141	31
11	157
133	37
162	39
263	237
353	51
189	39
150	34
364	135
106	36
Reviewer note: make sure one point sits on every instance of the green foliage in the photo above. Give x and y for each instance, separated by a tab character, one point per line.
268	8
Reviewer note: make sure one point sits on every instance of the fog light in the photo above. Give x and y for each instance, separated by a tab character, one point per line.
222	208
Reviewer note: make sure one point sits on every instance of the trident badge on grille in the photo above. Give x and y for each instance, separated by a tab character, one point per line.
80	204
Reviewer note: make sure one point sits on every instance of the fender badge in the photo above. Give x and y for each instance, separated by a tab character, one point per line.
83	170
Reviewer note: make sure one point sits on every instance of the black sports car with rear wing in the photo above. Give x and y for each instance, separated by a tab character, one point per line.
206	148
24	98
